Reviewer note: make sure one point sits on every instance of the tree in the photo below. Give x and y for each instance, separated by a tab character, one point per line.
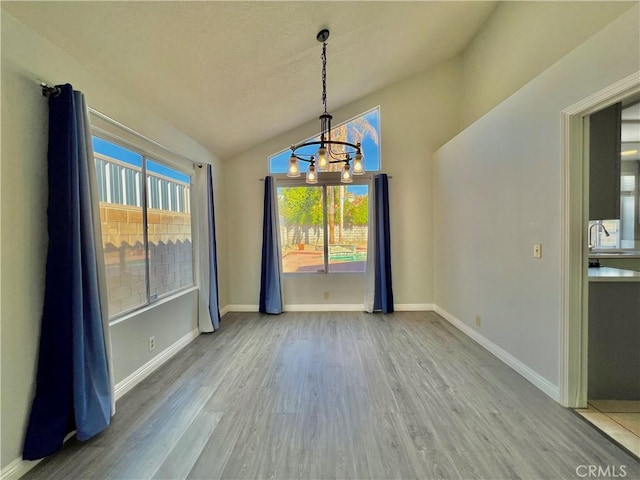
357	211
301	208
354	132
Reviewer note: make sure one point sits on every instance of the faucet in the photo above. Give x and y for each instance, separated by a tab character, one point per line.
591	245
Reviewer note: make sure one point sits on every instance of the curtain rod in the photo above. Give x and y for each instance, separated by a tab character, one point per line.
141	136
261	179
48	90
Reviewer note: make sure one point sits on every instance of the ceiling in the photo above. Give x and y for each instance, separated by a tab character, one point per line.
233	74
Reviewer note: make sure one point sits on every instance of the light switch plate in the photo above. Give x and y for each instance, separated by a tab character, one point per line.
537	250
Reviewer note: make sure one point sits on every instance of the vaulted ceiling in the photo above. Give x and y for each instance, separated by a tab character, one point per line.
232	74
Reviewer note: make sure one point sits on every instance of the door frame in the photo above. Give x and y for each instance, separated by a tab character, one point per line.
574	253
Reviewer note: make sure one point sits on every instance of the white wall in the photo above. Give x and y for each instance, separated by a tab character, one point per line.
27	57
417	115
520	40
498	190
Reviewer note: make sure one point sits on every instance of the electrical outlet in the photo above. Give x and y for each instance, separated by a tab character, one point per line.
537	250
152	343
326	295
478	320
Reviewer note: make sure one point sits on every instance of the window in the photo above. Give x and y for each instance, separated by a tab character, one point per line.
324	227
602	239
620	233
146	226
628	196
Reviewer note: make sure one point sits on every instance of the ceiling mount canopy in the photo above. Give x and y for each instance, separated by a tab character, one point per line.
330	150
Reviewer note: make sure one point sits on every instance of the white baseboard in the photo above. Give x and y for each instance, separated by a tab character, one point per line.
20	467
239	308
152	365
17	468
331	307
320	307
325	307
357	307
414	307
542	383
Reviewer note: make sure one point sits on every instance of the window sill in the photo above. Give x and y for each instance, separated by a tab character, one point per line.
151	306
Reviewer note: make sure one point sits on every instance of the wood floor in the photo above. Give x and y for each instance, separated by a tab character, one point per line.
337	395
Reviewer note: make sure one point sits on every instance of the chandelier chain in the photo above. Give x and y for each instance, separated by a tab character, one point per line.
324	75
330	151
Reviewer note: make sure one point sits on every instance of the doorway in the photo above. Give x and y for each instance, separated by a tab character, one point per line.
575	296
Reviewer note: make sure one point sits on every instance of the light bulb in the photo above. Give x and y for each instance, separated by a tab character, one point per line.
345	177
322	159
312	176
293	170
358	164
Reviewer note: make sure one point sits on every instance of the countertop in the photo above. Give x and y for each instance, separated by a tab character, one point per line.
618	254
609	274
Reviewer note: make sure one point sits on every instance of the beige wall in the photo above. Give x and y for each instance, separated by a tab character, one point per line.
417	115
27	58
498	191
520	40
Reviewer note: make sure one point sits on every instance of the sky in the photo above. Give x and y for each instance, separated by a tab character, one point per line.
125	155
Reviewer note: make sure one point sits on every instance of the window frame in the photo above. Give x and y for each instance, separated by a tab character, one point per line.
181	165
327	179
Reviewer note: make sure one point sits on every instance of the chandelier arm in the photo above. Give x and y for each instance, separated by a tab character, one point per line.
308	160
336	155
327	142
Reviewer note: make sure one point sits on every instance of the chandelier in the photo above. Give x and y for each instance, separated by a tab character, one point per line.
329	151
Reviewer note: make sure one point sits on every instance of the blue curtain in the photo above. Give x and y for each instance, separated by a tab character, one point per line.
383	293
270	279
214	307
72	384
